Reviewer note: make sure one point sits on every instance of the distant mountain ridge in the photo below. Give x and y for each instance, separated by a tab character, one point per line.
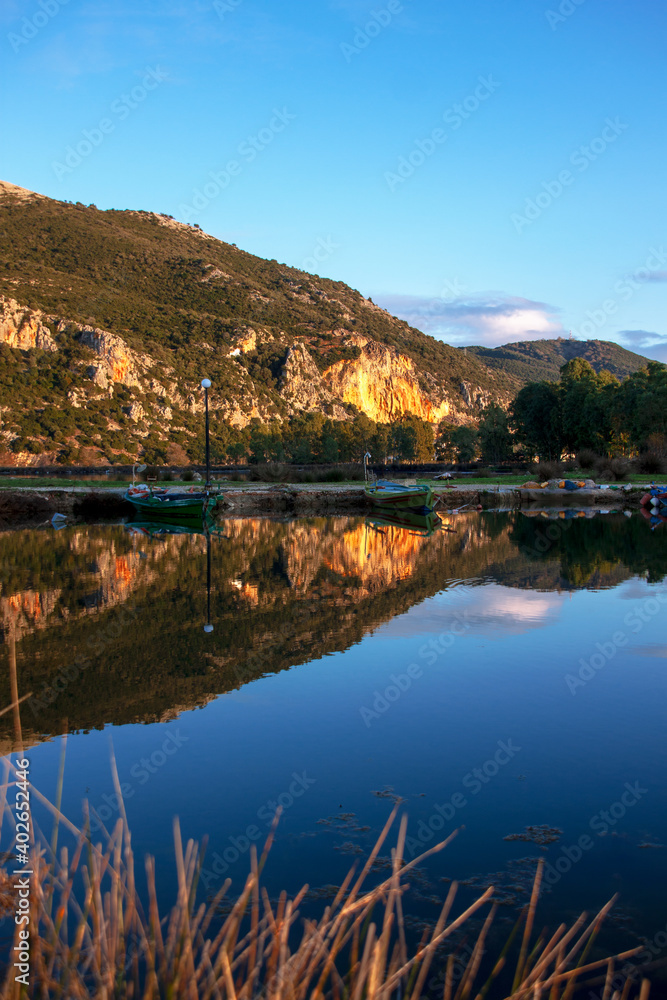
541	360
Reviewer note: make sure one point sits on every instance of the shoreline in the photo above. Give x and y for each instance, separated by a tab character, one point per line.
27	506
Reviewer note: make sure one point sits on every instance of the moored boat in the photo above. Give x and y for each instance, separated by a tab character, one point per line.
159	503
400	496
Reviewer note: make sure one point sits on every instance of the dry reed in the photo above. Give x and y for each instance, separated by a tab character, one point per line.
91	935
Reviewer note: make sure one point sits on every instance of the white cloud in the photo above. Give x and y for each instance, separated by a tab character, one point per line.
488	320
492	610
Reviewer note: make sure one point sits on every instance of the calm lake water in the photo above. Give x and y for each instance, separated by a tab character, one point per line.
506	674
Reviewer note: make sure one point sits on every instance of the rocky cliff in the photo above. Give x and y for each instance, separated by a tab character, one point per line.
108	321
24	328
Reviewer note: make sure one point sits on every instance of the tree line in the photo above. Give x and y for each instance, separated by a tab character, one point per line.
584	411
315	438
589	410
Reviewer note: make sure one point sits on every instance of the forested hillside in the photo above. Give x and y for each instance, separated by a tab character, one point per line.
109	319
541	360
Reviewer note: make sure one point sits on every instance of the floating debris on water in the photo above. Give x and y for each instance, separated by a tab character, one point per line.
512	886
349	848
343	821
540	835
388	792
322	892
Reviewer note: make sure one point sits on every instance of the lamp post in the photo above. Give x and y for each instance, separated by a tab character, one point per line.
206	385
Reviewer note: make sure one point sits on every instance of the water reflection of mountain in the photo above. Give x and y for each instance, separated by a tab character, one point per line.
283	593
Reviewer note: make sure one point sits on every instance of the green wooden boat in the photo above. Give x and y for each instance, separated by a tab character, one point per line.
157	503
386	495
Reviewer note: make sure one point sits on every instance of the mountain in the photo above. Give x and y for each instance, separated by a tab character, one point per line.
109	320
540	360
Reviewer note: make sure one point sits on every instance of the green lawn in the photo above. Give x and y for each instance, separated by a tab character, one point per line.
19	482
49	482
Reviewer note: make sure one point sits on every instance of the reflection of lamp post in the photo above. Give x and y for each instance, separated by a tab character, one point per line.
206	385
137	468
208	627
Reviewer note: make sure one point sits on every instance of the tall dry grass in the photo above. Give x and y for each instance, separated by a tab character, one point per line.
91	935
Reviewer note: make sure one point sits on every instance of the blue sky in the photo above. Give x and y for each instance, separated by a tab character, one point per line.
490	171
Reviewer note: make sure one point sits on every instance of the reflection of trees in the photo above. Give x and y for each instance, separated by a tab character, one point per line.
283	593
601	551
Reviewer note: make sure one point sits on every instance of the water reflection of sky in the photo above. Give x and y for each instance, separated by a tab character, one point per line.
492	607
502	678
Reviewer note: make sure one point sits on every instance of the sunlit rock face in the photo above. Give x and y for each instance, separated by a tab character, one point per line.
381	383
24	328
384	384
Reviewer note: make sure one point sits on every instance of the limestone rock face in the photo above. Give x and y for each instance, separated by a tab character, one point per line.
383	384
119	362
475	398
380	382
98	375
134	411
76	398
302	386
246	344
24	328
